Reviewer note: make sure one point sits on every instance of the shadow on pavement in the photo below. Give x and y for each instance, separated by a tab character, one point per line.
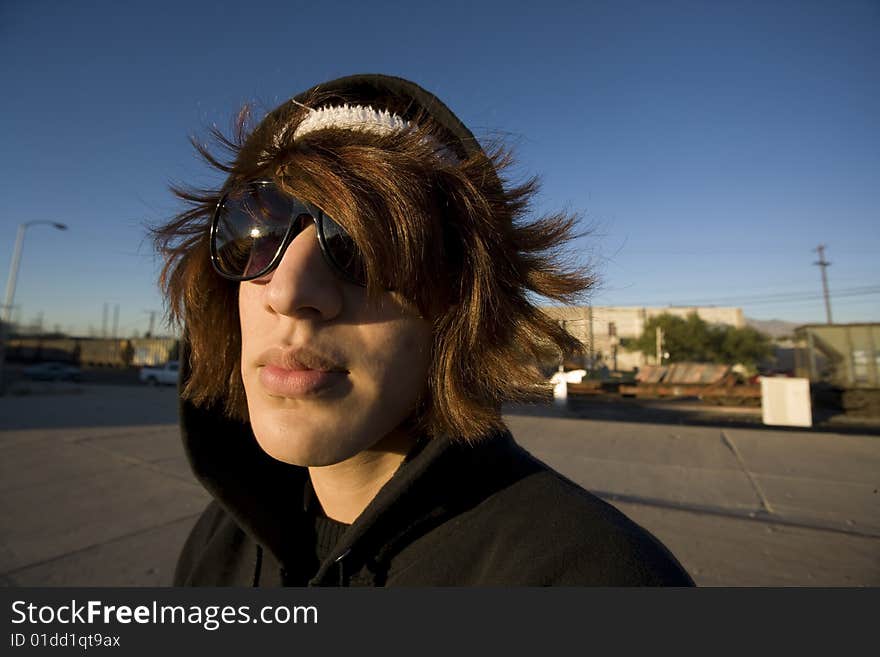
58	405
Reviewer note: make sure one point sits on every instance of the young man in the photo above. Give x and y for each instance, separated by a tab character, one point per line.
356	308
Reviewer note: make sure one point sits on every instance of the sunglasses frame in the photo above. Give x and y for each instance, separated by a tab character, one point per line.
314	212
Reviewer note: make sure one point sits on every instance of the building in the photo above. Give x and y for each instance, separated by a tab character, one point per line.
600	329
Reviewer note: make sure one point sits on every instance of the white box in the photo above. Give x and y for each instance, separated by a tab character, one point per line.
785	401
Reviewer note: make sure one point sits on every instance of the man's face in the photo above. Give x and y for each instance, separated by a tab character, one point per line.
327	374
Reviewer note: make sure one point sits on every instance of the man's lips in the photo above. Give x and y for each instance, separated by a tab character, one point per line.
298	372
298	383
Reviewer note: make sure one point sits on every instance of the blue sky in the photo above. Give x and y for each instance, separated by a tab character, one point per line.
711	146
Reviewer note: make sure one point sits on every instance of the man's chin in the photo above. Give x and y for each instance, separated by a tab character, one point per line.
303	451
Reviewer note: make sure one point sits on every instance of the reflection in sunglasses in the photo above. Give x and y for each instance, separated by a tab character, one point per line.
251	227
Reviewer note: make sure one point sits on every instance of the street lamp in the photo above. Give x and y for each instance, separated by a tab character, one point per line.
10	286
16	259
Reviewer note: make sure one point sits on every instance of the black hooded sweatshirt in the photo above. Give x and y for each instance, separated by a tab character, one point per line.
454	514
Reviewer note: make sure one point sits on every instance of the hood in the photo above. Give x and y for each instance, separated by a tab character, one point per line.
438	479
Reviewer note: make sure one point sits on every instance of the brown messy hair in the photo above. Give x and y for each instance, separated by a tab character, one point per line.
440	226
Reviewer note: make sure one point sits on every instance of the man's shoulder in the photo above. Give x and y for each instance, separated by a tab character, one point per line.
214	542
548	519
529	490
546	500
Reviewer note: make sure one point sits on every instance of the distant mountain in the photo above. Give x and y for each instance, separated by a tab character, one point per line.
775	328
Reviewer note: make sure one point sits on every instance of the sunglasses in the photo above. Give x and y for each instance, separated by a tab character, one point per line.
253	226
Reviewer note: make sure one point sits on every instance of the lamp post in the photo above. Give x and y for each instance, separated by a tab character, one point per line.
10	288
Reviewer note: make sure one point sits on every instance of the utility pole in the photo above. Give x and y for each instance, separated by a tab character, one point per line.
10	289
562	354
115	321
104	321
659	333
614	341
152	314
824	264
592	341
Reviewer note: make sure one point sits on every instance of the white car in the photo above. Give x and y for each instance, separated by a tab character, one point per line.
166	374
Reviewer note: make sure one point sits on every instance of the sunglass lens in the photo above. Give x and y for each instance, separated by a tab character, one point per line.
343	251
251	225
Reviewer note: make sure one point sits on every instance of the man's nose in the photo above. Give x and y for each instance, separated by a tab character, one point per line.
304	284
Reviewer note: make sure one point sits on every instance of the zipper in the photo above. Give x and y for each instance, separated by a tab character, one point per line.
258	566
340	561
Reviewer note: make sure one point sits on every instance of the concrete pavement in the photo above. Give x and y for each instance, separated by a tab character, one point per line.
94	486
95	489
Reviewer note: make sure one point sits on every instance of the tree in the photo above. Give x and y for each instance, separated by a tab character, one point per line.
692	339
744	345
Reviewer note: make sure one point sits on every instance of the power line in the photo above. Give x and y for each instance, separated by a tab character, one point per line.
860	289
787	297
814	299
